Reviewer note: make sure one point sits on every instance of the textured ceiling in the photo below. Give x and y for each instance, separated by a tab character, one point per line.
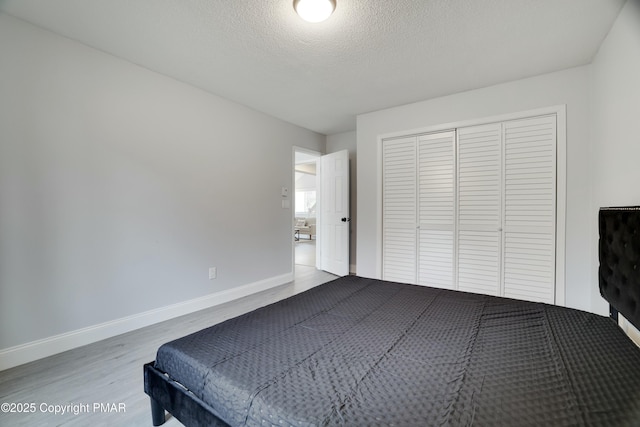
369	55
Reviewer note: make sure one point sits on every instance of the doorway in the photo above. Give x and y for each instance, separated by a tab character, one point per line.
305	204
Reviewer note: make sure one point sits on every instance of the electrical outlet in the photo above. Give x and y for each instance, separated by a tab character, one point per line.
213	273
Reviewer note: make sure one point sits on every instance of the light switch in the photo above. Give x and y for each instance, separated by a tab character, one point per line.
285	192
286	204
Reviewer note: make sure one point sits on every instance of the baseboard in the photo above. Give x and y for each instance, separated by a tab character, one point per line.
49	346
632	332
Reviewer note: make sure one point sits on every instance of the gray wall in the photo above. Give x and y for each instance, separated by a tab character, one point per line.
120	187
615	148
347	141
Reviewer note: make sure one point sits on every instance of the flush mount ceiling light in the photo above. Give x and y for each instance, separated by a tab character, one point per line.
314	10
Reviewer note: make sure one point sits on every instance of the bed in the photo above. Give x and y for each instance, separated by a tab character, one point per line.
364	352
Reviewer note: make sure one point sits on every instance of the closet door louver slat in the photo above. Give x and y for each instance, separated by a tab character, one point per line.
399	210
436	207
530	206
479	209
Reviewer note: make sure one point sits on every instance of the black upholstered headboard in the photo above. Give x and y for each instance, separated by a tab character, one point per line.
619	273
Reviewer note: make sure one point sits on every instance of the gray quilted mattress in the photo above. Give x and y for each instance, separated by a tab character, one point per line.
363	352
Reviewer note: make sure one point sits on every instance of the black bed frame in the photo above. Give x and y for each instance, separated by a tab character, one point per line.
168	395
618	277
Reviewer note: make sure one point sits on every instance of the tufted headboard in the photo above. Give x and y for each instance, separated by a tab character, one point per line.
619	253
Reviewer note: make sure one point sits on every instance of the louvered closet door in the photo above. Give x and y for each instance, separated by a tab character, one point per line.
399	209
479	209
530	209
436	209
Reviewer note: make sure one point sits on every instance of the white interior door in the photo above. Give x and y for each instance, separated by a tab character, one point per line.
530	209
399	210
476	208
334	213
479	209
436	209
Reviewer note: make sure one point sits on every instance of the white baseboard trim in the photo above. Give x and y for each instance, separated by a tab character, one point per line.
34	350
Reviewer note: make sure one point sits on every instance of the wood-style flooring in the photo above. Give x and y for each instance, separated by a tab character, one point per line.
110	371
305	252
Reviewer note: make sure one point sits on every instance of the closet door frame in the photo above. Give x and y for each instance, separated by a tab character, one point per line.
561	180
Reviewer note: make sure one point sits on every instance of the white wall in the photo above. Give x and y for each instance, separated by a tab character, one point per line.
120	187
570	87
347	141
615	157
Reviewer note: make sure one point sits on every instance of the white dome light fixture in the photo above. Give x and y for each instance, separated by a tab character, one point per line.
314	10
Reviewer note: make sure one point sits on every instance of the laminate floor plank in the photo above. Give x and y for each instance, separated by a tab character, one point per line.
109	372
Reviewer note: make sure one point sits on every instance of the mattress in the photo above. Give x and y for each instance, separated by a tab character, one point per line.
363	352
